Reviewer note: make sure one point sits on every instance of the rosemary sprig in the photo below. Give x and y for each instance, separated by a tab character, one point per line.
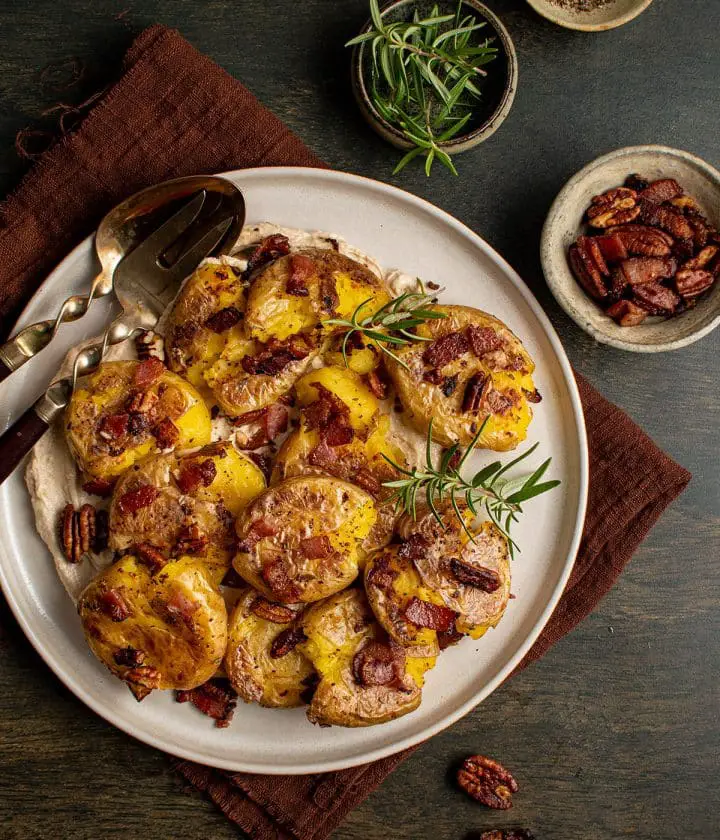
424	77
396	318
501	497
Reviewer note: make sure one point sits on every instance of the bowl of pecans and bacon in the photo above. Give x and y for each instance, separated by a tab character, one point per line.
631	249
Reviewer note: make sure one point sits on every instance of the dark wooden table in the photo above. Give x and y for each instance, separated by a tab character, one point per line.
615	732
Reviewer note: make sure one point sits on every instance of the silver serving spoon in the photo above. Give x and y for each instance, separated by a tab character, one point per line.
145	282
119	232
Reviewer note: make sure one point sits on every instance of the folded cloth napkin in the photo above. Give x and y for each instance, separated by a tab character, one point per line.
173	113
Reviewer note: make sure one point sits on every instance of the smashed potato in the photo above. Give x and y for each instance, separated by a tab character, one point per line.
473	368
364	679
127	410
185	504
296	292
161	630
301	540
259	667
471	577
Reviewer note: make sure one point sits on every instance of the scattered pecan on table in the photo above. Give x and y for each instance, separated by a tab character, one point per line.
652	252
487	781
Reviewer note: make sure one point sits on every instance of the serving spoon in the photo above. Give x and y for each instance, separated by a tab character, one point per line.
122	229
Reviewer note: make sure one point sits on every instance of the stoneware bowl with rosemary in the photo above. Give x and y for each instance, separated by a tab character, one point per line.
464	100
590	15
566	220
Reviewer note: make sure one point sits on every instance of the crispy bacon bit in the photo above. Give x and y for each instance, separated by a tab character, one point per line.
258	530
268	250
627	313
612	247
196	474
264	462
316	548
532	396
269	611
249	417
150	556
190	540
476	391
99	486
276	356
433	376
214	698
135	500
483	340
366	481
656	299
145	676
378	664
147	373
639	270
166	434
129	657
668	219
181	608
302	269
443	350
329	297
478	576
275	420
449	385
381	574
376	385
664	189
114	605
330	416
113	426
323	456
413	548
278	581
425	614
447	638
286	641
224	319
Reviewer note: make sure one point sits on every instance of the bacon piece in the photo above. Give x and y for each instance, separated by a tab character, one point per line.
258	530
100	486
264	463
249	417
378	664
302	269
656	299
425	614
269	611
190	540
278	581
181	608
381	574
129	657
276	356
114	605
224	319
433	376
367	482
330	416
612	247
275	420
443	350
166	434
693	282
269	249
286	641
483	340
113	426
147	373
214	698
627	313
150	556
533	396
476	391
196	474
639	270
413	548
135	500
478	576
664	189
591	282
376	385
447	638
316	548
667	219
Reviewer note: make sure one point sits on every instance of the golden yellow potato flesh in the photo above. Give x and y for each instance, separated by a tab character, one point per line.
301	540
108	397
337	630
162	630
198	497
439	547
257	675
503	375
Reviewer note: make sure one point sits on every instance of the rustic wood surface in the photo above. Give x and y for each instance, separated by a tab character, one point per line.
615	732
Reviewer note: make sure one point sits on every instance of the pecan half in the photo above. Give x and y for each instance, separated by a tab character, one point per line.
378	664
147	373
424	614
657	299
641	240
614	207
144	402
270	611
148	345
476	390
215	698
443	350
150	556
487	781
190	540
223	320
166	434
478	576
145	676
69	534
627	313
376	385
278	581
592	282
86	527
668	219
286	641
691	283
703	258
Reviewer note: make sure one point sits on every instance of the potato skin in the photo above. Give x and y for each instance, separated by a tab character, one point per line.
105	393
299	509
478	610
509	367
255	675
335	630
177	620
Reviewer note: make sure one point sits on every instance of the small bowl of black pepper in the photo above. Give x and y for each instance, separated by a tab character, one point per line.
590	15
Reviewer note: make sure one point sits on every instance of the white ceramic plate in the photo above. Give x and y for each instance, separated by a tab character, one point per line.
401	231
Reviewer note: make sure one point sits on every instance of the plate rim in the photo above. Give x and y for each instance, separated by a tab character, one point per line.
105	711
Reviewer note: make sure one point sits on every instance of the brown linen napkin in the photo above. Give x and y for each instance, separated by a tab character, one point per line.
176	113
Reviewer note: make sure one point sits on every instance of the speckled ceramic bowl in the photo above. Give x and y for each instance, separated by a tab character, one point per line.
615	13
565	222
498	87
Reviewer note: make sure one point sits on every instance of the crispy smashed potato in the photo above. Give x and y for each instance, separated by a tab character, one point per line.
256	664
364	679
471	577
302	539
127	410
155	630
191	506
474	368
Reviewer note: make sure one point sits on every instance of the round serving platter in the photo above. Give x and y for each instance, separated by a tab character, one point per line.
400	231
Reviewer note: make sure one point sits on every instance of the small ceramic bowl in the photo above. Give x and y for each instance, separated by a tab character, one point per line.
498	87
565	222
614	13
